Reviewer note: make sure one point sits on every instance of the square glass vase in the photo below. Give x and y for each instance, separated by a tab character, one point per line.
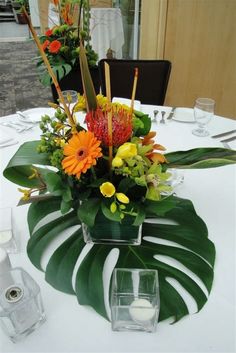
21	308
105	231
135	300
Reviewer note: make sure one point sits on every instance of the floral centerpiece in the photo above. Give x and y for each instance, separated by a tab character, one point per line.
108	173
61	44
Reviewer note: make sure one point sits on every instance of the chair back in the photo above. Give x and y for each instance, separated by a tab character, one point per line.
152	83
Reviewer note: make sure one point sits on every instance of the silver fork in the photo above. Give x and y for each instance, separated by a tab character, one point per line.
162	121
25	118
23	125
13	126
16	125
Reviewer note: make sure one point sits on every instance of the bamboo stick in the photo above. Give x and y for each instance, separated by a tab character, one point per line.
50	71
109	122
134	89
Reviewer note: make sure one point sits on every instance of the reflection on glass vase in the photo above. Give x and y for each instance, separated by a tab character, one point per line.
105	231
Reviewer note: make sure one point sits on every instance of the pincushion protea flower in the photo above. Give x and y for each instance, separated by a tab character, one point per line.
97	122
81	153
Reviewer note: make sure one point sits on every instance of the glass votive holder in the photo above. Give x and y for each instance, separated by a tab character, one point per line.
135	300
7	240
70	97
21	308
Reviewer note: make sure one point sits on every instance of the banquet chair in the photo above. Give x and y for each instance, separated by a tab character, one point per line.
153	78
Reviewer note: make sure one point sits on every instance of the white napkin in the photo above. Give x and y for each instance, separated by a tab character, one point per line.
35	114
126	101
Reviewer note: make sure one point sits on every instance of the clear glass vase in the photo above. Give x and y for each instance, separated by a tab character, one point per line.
21	308
106	231
135	301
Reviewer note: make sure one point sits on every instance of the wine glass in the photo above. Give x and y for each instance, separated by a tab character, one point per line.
203	112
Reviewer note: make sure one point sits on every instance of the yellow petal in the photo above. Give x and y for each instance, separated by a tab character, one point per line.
122	197
107	189
117	162
127	150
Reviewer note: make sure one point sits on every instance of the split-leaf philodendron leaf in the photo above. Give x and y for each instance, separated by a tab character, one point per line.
190	246
187	237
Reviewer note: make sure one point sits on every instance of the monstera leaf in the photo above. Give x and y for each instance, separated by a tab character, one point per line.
199	158
185	240
189	246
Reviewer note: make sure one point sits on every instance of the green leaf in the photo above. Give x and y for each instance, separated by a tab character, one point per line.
39	210
159	208
61	265
53	181
88	87
201	158
20	165
146	124
65	206
66	196
60	70
191	247
140	218
46	234
108	214
88	210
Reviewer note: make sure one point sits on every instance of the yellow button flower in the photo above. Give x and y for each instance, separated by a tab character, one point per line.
113	207
122	197
117	162
107	189
127	150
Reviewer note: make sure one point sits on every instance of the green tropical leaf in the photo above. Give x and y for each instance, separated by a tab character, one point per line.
201	158
146	123
88	210
188	244
20	165
88	87
60	70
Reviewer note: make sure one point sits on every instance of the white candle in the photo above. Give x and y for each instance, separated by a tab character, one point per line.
141	310
5	236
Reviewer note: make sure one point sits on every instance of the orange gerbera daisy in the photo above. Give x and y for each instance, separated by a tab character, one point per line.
81	153
55	46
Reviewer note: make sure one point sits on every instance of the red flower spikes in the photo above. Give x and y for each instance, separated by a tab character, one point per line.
97	122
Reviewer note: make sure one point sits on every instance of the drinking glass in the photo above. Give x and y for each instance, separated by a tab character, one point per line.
203	112
71	98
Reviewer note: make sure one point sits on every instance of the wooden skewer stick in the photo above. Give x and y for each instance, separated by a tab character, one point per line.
50	71
109	122
134	88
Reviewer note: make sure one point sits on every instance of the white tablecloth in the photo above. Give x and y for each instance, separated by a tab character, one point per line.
74	328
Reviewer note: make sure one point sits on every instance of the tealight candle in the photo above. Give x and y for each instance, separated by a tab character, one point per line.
141	310
5	236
